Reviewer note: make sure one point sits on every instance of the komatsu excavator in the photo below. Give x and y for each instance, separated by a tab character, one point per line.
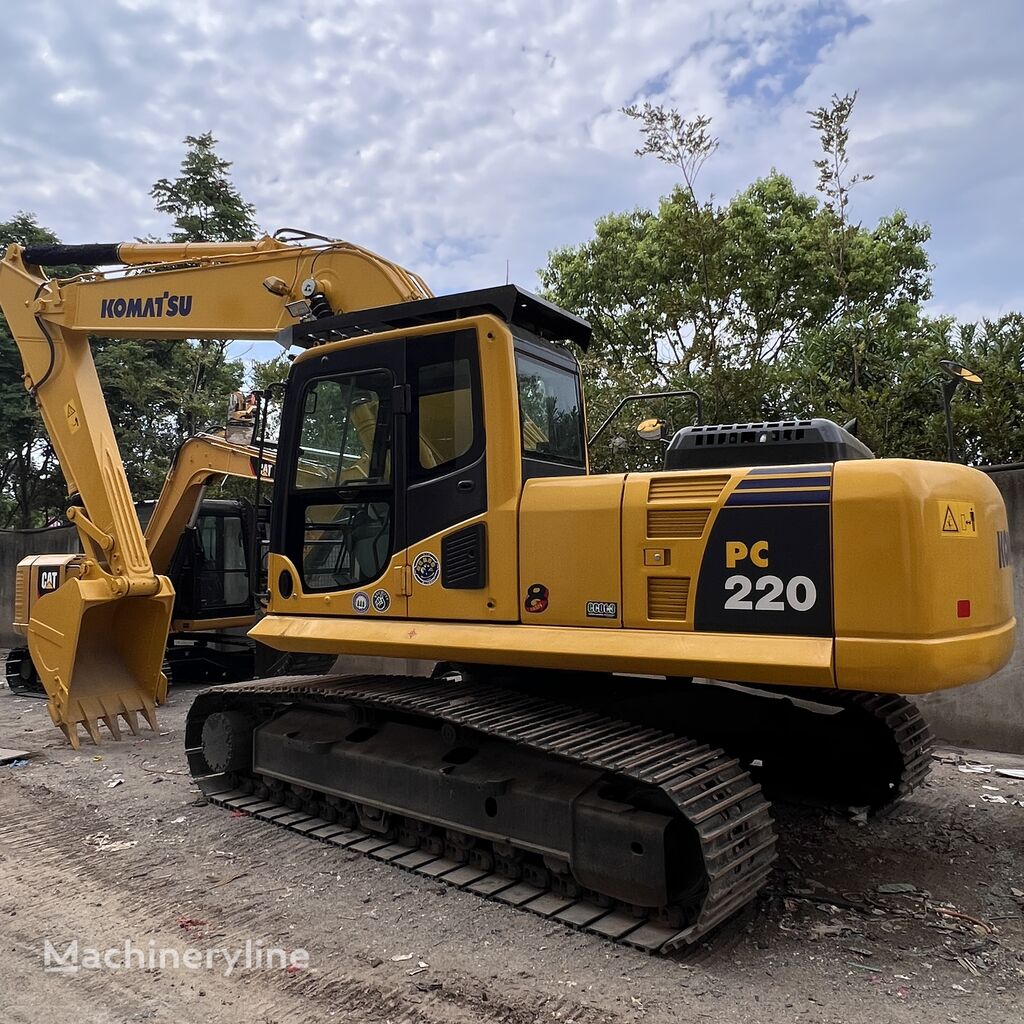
571	757
210	548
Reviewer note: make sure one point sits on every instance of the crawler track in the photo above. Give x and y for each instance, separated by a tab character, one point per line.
22	678
841	750
909	737
729	831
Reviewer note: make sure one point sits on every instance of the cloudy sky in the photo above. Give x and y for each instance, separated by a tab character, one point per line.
456	135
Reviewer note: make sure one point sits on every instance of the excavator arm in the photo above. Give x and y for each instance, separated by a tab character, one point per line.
199	462
98	640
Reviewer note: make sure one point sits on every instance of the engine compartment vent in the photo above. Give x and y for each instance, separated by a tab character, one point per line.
777	443
676	522
686	488
464	559
667	597
21	613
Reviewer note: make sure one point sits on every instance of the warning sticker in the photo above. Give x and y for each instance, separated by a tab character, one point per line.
957	519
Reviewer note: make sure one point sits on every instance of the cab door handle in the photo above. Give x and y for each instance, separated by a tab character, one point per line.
465	485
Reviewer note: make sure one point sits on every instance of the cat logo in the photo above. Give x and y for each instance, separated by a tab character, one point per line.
49	580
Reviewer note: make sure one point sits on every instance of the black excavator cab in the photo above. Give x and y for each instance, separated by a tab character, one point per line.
212	575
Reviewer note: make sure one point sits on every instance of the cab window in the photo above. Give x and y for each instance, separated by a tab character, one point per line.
344	477
446	431
445	408
346	431
549	411
223	565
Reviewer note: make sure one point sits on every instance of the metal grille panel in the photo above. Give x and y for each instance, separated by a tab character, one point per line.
667	597
676	522
705	487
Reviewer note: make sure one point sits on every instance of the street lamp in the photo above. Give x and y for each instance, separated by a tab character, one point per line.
956	374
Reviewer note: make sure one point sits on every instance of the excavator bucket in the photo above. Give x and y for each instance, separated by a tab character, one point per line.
100	657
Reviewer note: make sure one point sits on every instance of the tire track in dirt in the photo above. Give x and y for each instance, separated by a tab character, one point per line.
56	885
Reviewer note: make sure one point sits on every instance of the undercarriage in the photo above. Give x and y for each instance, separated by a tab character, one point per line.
627	816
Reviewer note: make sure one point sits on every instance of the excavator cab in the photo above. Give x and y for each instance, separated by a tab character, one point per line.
211	567
215	572
98	640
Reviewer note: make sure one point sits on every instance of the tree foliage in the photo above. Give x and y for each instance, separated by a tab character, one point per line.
203	201
777	304
187	385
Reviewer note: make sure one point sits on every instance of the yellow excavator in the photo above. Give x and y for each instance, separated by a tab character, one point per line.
210	548
630	661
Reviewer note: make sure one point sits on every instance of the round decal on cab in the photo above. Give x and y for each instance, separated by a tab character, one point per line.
426	568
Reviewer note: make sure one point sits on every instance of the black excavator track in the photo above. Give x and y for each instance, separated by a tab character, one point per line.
846	751
22	677
879	752
616	828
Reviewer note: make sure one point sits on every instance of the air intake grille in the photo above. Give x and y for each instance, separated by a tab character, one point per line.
21	595
686	488
667	598
676	522
464	559
750	433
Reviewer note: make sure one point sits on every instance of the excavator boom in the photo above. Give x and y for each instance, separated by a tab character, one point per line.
98	640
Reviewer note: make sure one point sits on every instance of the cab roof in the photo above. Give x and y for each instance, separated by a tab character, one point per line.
516	306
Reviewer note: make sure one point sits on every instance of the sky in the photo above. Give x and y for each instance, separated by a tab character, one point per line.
463	138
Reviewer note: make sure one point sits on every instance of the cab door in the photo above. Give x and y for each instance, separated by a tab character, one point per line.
447	515
344	528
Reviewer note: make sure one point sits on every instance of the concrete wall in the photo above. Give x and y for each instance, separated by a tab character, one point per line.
14	546
990	715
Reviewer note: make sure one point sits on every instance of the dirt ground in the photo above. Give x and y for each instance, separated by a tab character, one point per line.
916	918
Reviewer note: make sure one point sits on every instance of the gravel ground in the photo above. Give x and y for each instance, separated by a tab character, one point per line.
918	918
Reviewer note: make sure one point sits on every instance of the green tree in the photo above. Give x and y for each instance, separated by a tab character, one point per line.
271	371
764	304
206	207
203	201
835	183
780	302
157	394
989	420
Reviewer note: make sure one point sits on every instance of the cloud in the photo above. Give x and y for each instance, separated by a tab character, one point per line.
456	137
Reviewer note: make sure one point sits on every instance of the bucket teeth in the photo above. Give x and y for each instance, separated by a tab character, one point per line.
149	710
70	730
91	712
99	656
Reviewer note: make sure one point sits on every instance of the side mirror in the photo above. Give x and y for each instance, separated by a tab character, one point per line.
651	430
